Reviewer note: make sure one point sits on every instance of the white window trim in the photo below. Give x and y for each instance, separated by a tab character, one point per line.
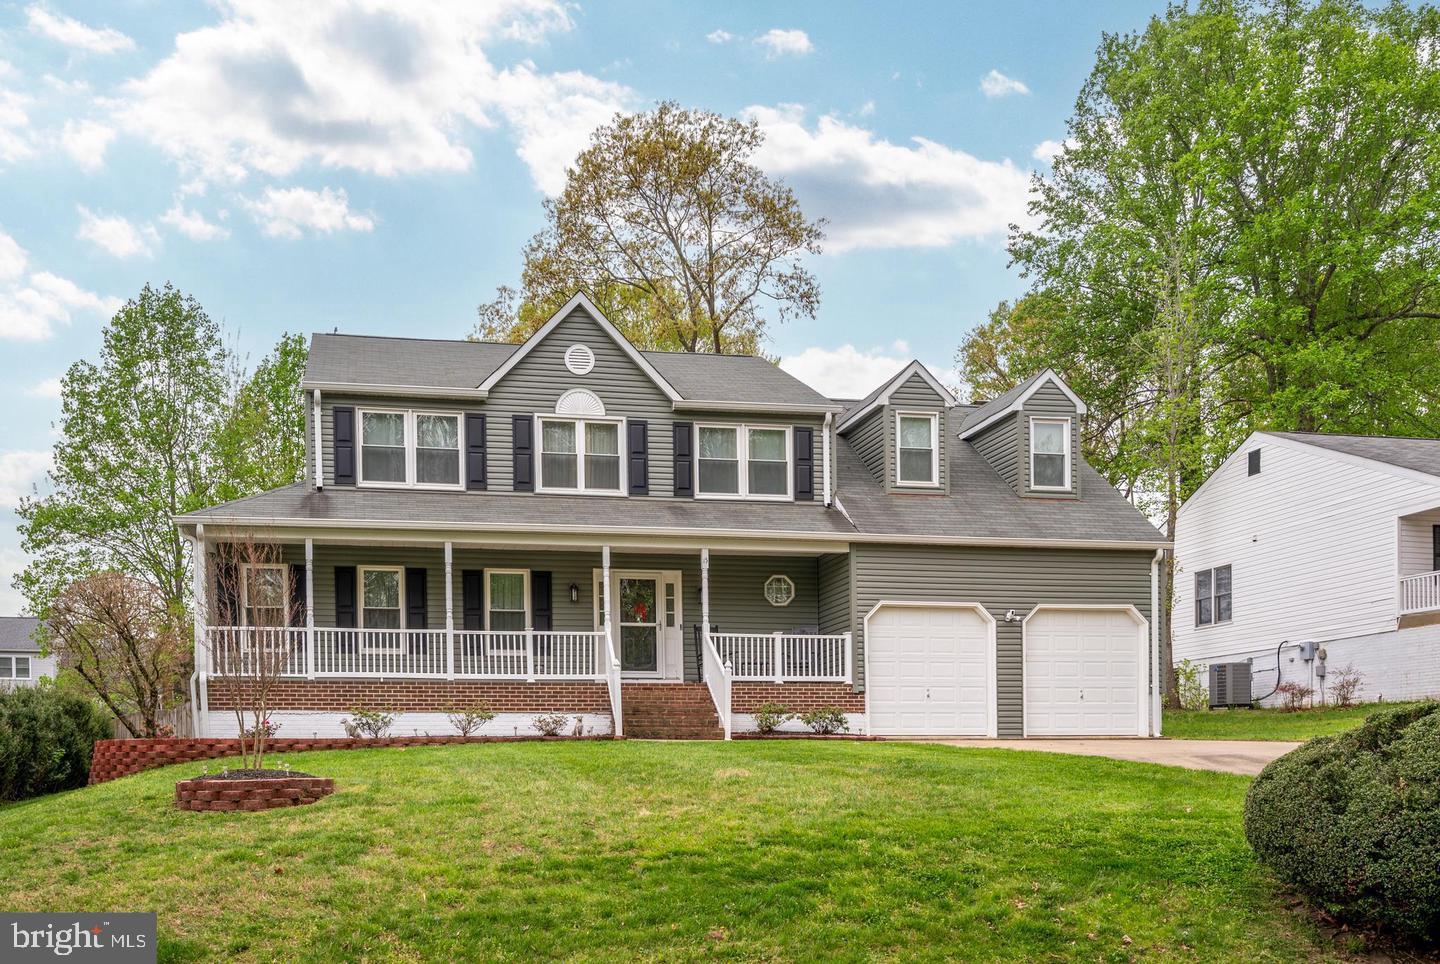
1069	459
8	663
245	569
491	646
360	594
934	418
15	667
412	440
580	422
742	451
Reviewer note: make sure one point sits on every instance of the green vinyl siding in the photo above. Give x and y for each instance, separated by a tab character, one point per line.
835	609
868	440
1000	579
1000	446
1048	402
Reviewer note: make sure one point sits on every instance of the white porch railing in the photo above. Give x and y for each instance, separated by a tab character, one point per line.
780	658
237	651
612	680
1420	593
717	677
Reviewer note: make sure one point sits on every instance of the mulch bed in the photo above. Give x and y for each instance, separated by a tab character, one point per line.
255	775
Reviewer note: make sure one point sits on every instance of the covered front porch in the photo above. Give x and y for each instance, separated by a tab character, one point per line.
1419	589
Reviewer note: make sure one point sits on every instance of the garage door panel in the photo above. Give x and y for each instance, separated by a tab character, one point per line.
1082	673
928	671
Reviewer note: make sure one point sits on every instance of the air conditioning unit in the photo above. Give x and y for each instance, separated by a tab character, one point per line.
1230	685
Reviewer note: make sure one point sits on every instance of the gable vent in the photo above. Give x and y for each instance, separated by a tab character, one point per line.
578	401
579	359
1255	462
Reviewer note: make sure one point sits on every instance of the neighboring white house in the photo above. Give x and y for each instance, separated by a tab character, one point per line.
1325	539
20	661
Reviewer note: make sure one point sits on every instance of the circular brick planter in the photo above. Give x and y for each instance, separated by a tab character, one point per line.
210	793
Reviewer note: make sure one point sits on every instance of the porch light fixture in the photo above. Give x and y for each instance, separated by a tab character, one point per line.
574	593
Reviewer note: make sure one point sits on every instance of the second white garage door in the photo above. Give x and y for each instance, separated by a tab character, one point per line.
1083	672
929	671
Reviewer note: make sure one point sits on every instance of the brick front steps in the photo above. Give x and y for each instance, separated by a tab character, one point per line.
266	793
670	711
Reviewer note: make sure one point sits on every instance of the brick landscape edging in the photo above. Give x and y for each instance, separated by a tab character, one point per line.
265	793
113	759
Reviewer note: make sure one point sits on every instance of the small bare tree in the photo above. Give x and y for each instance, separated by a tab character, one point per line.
122	640
251	645
1345	685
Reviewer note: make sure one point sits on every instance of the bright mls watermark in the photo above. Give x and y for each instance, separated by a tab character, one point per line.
115	938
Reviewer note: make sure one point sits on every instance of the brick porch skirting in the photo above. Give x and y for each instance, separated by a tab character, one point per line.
748	696
423	695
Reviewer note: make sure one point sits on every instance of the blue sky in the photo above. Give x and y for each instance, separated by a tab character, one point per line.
376	167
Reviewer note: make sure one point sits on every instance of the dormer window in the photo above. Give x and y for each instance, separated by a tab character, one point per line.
743	462
917	448
407	448
1050	454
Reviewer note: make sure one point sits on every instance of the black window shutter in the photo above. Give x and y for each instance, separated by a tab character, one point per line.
523	432
475	469
297	595
415	597
542	610
638	433
227	594
345	597
684	459
472	595
344	444
804	463
1435	545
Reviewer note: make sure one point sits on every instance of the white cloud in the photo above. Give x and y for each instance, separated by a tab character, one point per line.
31	308
73	33
783	43
114	234
12	561
20	470
850	372
882	195
193	224
15	140
1048	149
996	84
86	142
46	388
290	212
719	36
867	109
354	85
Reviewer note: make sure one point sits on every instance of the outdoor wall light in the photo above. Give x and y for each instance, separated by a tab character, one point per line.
574	593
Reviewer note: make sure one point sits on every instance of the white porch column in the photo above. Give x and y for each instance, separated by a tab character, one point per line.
449	613
705	595
197	590
605	593
310	606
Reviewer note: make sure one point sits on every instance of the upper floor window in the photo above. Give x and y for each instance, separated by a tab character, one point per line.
265	594
1050	453
14	667
1212	596
580	455
410	448
743	461
917	448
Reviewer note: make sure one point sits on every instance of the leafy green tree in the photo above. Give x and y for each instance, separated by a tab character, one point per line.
260	444
681	240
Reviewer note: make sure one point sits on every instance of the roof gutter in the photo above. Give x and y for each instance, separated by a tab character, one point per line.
424	391
788	408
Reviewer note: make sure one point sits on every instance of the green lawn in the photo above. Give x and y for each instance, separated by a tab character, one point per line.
749	850
1265	724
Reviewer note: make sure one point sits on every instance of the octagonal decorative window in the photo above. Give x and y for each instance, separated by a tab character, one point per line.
779	590
579	359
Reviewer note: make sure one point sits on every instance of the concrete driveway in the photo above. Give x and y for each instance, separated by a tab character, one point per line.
1246	757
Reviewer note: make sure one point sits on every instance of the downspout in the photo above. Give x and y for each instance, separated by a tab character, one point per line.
319	450
825	453
1155	617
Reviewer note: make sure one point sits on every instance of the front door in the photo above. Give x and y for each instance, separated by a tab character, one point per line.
649	634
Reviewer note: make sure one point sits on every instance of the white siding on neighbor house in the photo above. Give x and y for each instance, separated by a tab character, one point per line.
1417	542
1312	542
39	666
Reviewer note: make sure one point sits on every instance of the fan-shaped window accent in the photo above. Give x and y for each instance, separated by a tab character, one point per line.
579	359
578	401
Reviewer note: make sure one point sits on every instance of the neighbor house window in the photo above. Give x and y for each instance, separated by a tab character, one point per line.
1050	453
264	591
410	448
381	590
917	451
1212	596
744	461
580	455
14	667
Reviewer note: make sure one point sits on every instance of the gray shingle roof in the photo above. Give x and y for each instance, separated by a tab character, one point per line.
17	634
981	505
341	504
1419	454
421	362
981	412
732	378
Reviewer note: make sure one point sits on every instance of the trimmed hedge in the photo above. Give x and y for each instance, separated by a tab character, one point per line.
46	738
1353	821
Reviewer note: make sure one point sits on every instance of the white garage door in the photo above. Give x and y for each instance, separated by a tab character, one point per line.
1082	673
929	671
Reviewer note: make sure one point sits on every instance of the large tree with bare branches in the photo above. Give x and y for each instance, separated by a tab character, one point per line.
682	241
